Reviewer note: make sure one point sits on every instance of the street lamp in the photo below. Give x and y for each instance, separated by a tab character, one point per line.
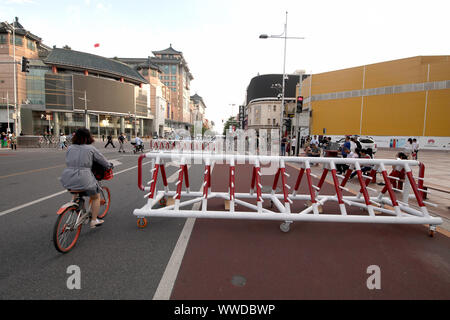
16	118
285	37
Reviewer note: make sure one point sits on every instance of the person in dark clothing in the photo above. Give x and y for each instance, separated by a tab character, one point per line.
110	141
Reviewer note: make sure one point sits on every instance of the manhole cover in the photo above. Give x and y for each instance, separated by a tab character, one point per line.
238	281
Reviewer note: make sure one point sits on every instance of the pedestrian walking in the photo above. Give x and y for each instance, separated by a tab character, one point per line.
13	142
283	146
62	141
121	142
3	140
110	142
294	145
409	147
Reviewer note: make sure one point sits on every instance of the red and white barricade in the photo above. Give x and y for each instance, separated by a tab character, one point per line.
381	207
182	145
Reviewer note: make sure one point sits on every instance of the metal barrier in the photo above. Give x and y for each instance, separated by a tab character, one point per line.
182	145
381	208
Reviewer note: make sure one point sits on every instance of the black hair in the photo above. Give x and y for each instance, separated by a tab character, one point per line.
82	136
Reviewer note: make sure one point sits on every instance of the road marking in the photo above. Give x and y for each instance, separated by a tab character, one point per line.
165	287
31	171
57	194
174	176
115	162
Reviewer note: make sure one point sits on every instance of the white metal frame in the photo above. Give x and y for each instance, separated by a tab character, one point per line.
398	211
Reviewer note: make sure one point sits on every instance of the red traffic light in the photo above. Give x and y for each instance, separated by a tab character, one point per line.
300	98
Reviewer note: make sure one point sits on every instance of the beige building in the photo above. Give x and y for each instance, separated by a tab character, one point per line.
26	45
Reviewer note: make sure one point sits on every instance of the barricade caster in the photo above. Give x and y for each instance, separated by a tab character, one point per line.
431	230
285	226
142	222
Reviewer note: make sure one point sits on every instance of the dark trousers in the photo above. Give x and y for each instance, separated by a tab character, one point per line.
110	143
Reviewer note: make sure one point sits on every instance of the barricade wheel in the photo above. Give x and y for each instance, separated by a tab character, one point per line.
431	231
163	202
285	227
141	222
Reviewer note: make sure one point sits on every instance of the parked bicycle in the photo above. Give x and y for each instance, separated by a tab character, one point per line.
73	215
47	142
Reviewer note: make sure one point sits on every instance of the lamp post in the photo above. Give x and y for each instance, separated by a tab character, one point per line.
285	37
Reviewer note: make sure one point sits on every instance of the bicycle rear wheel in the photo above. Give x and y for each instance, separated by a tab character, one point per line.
105	201
65	234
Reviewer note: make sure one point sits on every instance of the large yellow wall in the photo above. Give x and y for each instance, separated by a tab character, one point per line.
337	116
335	81
395	72
394	114
399	114
438	113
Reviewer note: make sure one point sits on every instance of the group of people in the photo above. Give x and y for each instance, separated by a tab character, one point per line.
288	145
138	142
412	148
8	140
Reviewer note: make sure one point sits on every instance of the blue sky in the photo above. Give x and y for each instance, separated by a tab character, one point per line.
219	39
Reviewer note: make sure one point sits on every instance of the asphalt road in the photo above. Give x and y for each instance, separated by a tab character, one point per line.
117	261
224	259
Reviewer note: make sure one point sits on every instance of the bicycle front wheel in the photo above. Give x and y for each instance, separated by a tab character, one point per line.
65	233
105	201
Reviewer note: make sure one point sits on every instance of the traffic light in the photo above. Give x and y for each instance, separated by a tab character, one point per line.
299	104
25	65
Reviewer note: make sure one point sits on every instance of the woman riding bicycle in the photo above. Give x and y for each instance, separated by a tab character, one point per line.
78	175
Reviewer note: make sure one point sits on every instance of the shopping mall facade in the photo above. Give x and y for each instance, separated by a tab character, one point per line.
66	89
390	101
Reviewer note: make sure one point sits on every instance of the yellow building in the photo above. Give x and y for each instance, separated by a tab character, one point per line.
400	98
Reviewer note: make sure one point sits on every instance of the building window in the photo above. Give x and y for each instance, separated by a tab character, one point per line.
31	45
145	72
174	84
3	39
19	40
173	77
173	69
274	108
273	121
268	121
165	69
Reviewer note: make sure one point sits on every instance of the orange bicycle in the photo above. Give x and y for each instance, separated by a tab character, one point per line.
72	216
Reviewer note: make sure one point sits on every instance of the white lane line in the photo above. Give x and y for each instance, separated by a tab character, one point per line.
165	287
56	194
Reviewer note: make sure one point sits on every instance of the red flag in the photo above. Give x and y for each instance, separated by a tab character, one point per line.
96	45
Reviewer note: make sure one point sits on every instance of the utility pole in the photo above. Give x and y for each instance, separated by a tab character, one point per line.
86	122
17	128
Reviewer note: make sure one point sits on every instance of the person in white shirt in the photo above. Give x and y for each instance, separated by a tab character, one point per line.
293	145
62	141
315	141
409	147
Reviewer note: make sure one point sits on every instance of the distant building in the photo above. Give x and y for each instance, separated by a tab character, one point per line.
51	96
390	101
199	108
177	76
263	109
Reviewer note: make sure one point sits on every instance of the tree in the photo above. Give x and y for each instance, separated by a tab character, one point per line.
230	122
